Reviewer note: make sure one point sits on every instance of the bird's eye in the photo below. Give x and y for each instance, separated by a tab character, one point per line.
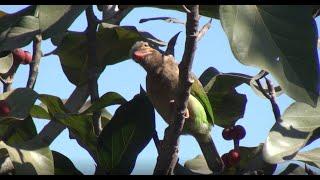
145	45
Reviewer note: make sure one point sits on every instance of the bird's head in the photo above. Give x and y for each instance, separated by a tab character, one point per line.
140	50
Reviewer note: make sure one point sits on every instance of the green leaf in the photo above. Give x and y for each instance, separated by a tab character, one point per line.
108	99
113	46
228	105
21	131
30	158
127	134
294	169
56	19
81	125
268	37
285	139
6	61
39	112
18	29
63	165
311	157
20	102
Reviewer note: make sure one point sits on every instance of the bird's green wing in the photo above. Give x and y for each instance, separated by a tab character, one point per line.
198	92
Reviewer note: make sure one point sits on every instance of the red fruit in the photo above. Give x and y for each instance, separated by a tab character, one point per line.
4	108
227	133
225	159
238	132
28	58
234	157
19	55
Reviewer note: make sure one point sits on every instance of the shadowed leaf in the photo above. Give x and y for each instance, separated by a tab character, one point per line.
127	134
63	165
266	37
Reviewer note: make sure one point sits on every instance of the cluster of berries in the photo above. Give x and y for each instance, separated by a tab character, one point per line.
235	133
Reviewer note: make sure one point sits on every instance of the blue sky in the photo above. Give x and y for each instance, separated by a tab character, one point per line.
126	77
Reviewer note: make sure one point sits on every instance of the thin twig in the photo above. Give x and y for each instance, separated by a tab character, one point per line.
168	156
261	89
34	65
93	66
166	19
308	170
204	29
272	98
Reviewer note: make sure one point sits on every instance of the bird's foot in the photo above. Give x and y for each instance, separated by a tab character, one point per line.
186	114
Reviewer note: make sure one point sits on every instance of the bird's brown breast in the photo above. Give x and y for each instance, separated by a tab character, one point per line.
162	87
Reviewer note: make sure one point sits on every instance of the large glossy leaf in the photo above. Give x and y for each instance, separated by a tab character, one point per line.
228	105
18	29
6	61
127	134
56	19
113	46
293	169
251	160
285	139
20	102
63	165
311	157
31	157
279	39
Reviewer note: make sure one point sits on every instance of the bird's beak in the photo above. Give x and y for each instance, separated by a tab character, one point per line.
141	54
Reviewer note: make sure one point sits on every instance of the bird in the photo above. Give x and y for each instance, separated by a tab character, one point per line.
162	81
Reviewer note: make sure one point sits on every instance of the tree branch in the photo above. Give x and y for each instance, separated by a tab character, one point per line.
168	156
93	66
34	65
